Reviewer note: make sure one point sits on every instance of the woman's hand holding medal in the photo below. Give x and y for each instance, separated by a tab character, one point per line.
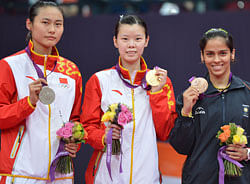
35	88
39	90
191	95
156	78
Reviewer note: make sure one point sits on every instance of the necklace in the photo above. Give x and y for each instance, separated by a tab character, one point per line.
220	90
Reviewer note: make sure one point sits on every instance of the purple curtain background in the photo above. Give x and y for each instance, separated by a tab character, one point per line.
174	45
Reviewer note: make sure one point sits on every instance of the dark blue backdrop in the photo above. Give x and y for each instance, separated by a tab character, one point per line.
173	45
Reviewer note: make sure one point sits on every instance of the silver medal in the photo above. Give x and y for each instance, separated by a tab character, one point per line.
47	95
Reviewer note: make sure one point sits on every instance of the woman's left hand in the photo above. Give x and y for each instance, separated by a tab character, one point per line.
162	78
237	151
72	149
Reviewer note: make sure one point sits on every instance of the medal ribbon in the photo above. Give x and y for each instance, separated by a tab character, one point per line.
201	96
60	153
38	70
220	156
109	152
121	154
143	81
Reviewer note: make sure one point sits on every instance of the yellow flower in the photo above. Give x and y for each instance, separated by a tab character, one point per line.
113	107
240	131
112	116
108	116
243	139
105	117
236	139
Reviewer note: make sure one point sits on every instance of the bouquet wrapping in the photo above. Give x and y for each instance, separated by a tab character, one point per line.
118	114
229	134
70	132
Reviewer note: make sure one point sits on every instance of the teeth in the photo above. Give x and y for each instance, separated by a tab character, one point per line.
217	67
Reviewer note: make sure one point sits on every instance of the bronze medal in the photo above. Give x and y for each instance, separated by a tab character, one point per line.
200	84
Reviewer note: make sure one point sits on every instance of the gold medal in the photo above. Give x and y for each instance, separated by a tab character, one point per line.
152	79
200	84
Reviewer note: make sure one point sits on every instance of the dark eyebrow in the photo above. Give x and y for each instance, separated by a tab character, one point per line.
224	50
45	19
59	20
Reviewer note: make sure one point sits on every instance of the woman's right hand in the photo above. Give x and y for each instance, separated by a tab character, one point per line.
34	90
116	133
237	151
190	97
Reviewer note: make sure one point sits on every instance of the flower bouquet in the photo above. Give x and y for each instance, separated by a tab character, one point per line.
230	134
118	114
70	132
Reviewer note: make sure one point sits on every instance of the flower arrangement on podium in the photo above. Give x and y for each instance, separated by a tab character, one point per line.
70	132
229	134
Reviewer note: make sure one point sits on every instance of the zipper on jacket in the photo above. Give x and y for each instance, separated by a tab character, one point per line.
223	108
49	118
45	66
133	136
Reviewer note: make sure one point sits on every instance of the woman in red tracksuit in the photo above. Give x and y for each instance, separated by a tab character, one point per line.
28	127
153	111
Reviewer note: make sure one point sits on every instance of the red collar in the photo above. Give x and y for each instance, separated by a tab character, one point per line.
39	59
139	74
